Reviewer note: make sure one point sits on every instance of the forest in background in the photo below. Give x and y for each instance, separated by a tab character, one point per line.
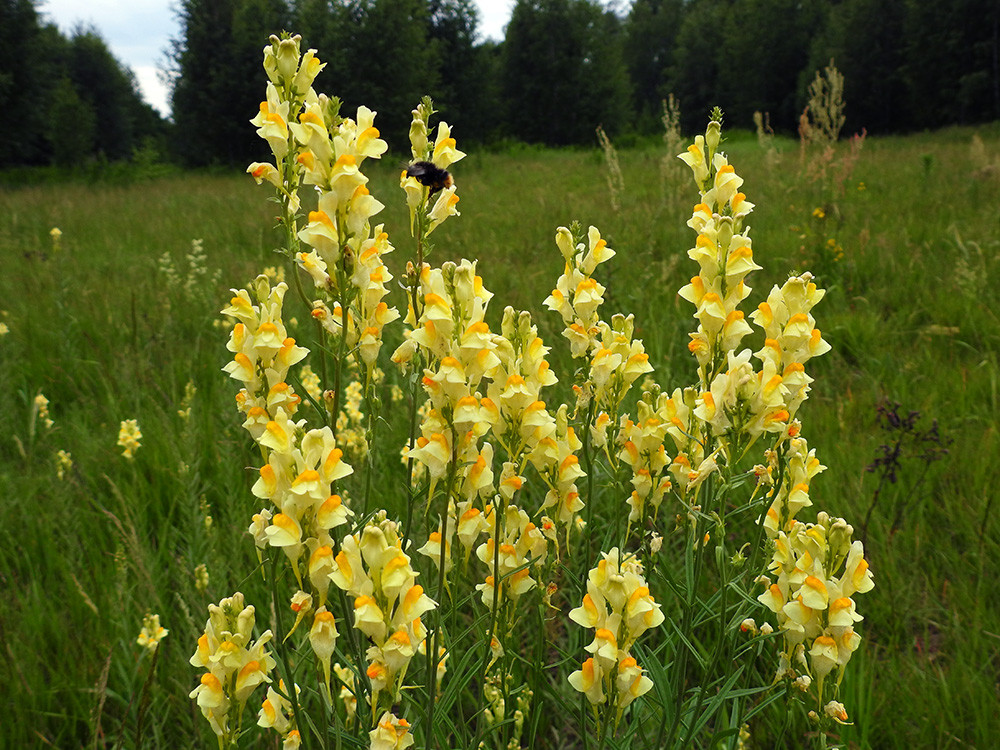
563	68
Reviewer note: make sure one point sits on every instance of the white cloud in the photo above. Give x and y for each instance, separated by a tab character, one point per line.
152	88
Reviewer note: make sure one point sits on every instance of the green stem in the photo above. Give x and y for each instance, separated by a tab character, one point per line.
432	653
588	462
282	649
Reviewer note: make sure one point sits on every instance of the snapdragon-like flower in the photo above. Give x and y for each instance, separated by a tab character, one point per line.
723	253
738	400
235	664
314	145
263	353
129	436
301	465
391	733
388	603
460	352
577	295
817	570
152	632
619	609
642	449
509	551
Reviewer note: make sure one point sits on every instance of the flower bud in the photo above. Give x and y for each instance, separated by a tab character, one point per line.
288	58
712	136
564	241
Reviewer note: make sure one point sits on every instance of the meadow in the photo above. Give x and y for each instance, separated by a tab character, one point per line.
119	319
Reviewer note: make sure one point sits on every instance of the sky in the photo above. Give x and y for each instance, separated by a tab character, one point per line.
138	32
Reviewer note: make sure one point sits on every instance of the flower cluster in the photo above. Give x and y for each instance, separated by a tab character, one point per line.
792	339
301	465
514	547
619	609
578	295
235	665
817	569
642	450
388	603
526	428
313	145
455	342
129	436
64	462
41	411
616	360
737	399
263	352
152	632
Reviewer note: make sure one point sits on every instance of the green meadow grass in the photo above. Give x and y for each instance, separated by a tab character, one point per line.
97	327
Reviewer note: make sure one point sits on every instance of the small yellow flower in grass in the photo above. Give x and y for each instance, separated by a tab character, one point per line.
56	234
42	411
152	632
819	213
4	330
129	436
201	578
64	462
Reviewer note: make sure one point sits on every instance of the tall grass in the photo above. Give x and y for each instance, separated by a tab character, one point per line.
96	327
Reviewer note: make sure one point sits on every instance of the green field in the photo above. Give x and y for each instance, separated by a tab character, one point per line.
907	245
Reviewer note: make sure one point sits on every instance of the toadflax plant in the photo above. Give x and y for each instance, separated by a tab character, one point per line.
557	560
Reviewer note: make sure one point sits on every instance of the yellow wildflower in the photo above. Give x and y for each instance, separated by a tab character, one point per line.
129	436
152	632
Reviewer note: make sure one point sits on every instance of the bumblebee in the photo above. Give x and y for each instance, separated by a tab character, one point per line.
430	175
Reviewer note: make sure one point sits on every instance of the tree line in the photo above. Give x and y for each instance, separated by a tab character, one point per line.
563	67
66	98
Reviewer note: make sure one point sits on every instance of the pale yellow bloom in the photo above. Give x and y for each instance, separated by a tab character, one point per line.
129	436
41	407
391	734
152	632
64	462
201	578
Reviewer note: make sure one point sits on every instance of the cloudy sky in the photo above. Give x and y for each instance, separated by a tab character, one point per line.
139	31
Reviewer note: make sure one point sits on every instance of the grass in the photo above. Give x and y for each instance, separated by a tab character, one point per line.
96	327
